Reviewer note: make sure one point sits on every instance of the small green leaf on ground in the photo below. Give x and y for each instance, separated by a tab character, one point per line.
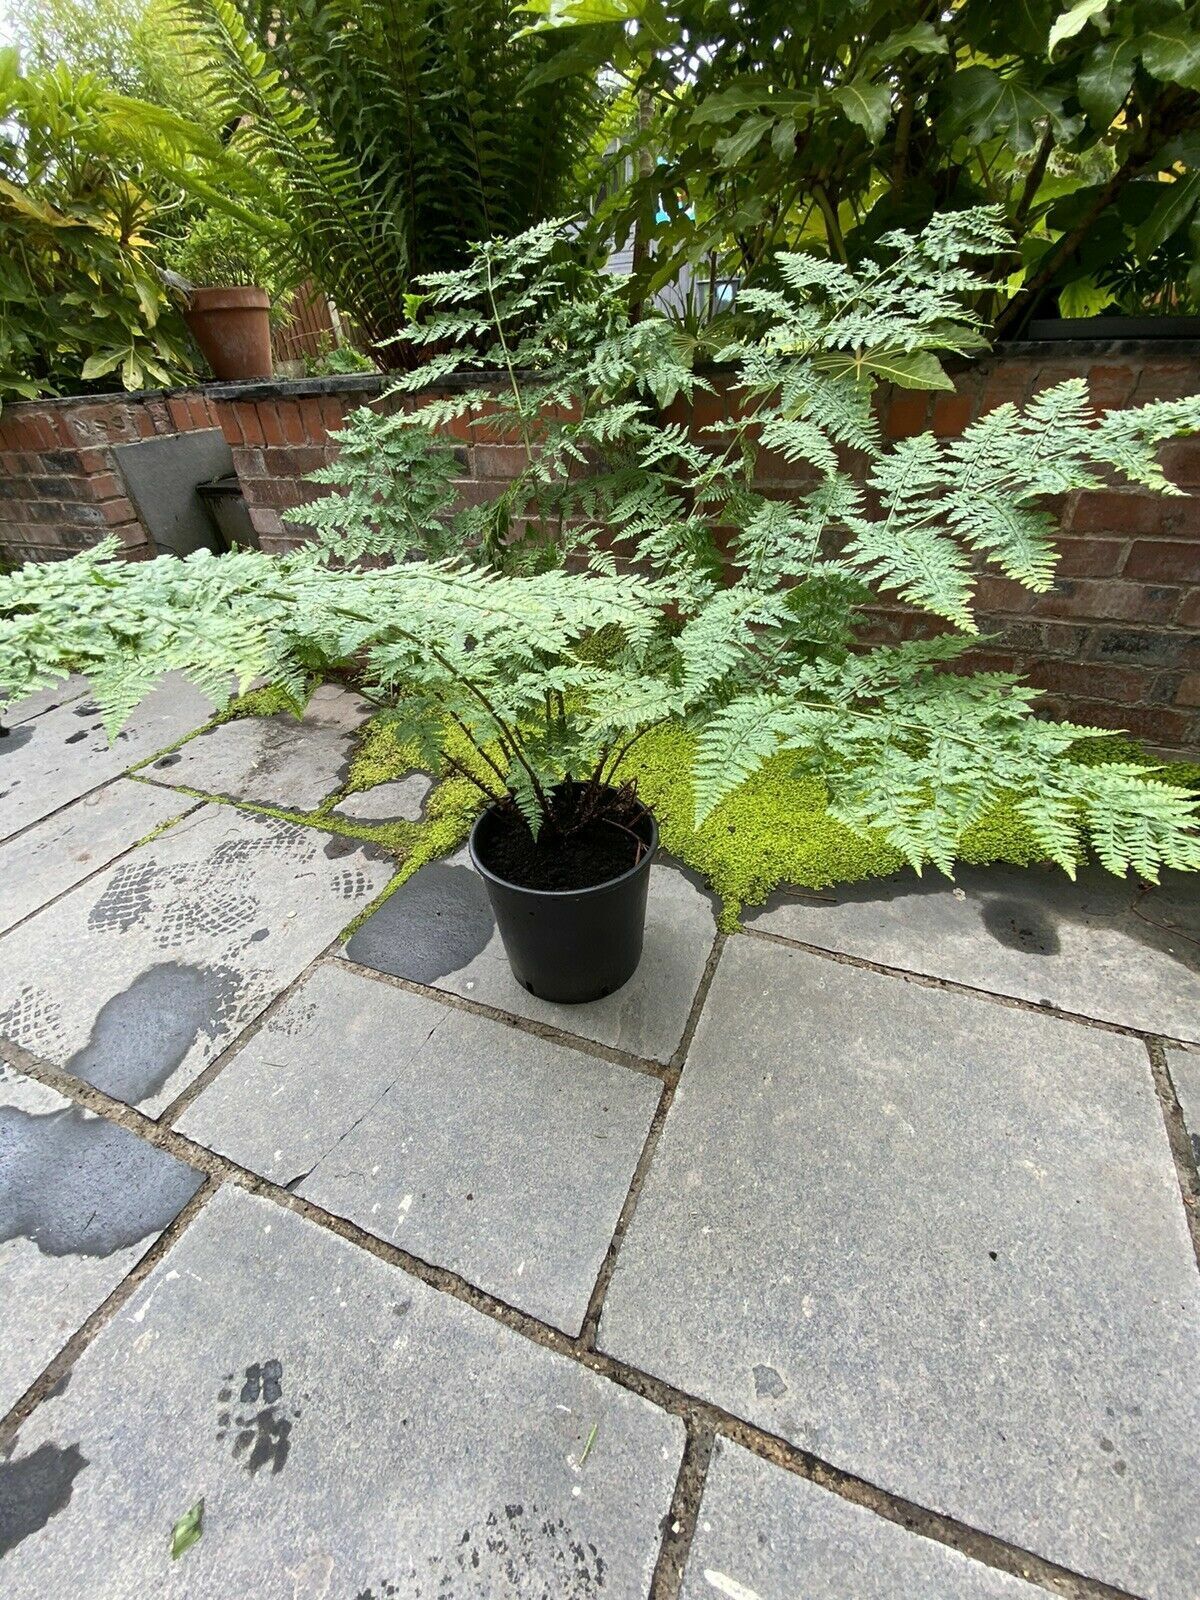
187	1530
591	1439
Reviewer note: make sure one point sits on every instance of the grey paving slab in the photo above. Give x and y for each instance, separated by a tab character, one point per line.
60	851
401	800
471	1144
42	700
52	759
137	978
939	1242
352	1433
280	760
81	1201
1184	1067
1101	947
438	929
765	1534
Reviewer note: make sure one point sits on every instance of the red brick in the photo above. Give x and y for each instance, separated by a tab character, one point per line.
200	411
227	421
115	511
1108	600
1164	379
993	593
264	519
1164	561
1181	460
984	661
951	414
251	463
1163	725
1084	679
142	419
1187	692
332	412
499	460
1101	511
291	422
247	416
134	537
1089	558
93	461
906	413
1111	386
105	486
268	418
312	420
706	410
181	416
1189	611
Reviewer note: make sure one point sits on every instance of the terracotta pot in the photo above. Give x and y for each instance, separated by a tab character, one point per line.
233	330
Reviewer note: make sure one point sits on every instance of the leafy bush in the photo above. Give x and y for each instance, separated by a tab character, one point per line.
398	132
791	124
80	296
219	251
335	359
636	576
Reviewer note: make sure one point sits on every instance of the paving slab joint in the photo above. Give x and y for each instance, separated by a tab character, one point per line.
701	1418
679	1524
1178	1139
925	980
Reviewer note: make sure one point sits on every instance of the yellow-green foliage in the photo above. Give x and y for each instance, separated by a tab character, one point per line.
267	702
776	829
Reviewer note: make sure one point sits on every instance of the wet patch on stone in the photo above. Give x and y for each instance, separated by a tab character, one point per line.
261	1438
494	1556
433	925
78	1185
34	1489
142	1034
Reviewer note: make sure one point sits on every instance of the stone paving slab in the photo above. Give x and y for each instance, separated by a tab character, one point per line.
765	1534
438	929
938	1242
472	1144
280	760
1184	1067
81	1200
62	850
52	759
135	980
354	1435
42	700
1101	947
402	800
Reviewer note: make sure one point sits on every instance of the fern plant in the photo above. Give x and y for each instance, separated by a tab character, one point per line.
633	573
399	131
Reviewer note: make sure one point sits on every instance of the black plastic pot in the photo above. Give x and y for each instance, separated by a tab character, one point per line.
570	945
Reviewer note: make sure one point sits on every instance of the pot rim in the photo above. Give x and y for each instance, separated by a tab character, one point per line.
561	894
205	297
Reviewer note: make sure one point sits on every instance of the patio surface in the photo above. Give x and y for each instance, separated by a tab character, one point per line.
850	1257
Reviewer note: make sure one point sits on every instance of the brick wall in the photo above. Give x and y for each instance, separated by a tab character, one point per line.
61	488
1116	643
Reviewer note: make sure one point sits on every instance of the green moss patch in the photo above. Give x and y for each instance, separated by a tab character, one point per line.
776	829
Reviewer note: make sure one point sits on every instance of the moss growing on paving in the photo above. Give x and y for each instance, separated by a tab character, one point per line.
776	829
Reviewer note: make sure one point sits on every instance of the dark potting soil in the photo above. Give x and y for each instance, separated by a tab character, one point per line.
592	854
